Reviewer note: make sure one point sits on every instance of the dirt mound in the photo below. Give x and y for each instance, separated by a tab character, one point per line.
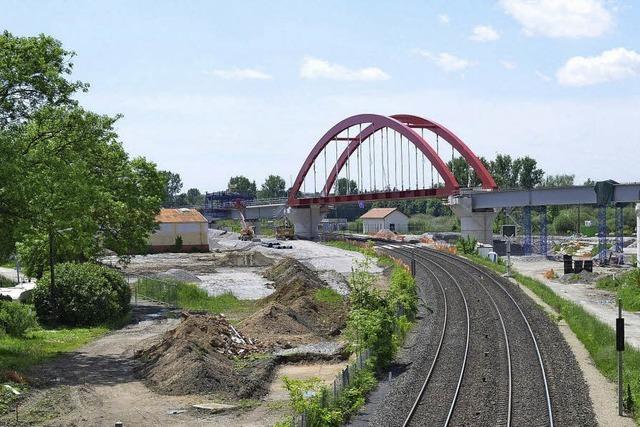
295	313
388	235
205	354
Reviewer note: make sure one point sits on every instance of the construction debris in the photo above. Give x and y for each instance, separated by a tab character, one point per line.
292	314
200	356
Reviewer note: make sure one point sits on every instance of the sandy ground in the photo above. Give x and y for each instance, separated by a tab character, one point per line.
602	392
332	264
95	386
598	302
14	292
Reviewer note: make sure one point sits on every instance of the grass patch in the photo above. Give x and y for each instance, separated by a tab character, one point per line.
423	223
597	337
328	296
8	264
626	285
39	345
364	248
190	297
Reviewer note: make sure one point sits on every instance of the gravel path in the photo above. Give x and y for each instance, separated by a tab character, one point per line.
483	396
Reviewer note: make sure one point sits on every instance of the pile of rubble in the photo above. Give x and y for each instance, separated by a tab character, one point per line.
388	235
201	356
292	314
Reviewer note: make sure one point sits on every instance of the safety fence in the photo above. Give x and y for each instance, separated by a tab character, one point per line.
342	381
153	289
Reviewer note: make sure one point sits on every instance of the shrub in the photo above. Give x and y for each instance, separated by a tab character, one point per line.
467	245
177	245
403	292
565	223
85	294
16	319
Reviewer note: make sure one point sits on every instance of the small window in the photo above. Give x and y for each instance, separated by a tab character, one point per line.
392	227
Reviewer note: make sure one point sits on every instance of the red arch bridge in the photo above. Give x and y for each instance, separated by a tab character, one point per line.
371	157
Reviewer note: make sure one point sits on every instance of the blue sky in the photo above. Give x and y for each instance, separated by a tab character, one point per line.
213	89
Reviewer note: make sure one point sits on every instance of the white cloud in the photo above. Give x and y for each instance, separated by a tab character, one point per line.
444	19
446	61
614	64
314	68
542	76
560	18
484	33
241	74
509	65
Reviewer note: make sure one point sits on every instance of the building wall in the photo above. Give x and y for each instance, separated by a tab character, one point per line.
372	225
400	221
194	234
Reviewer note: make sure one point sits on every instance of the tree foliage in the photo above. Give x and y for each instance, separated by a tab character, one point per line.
274	186
346	186
241	184
560	180
62	167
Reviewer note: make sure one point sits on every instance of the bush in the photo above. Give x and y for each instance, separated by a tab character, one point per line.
565	223
16	319
85	294
467	245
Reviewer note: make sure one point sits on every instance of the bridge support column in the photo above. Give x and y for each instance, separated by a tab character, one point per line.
476	224
306	220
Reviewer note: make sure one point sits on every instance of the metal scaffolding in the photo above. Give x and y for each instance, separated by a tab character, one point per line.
526	225
543	230
619	228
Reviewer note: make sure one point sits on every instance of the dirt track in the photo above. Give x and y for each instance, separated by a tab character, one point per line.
95	386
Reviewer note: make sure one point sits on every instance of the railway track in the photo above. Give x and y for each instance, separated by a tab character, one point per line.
502	390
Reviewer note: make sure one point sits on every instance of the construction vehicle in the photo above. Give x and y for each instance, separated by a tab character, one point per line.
284	231
246	233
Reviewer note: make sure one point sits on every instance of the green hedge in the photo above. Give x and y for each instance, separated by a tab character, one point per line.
85	294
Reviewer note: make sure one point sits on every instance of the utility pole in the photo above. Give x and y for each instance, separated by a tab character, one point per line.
620	349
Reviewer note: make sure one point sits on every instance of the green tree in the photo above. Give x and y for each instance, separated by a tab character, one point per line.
529	175
80	179
502	171
62	167
346	186
558	180
173	185
241	184
464	174
33	74
274	186
195	197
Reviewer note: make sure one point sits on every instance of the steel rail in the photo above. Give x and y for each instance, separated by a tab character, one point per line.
533	338
504	333
466	350
435	359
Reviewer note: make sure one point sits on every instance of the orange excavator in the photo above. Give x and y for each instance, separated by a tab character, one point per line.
246	233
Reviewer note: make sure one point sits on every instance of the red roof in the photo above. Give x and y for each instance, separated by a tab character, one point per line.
180	215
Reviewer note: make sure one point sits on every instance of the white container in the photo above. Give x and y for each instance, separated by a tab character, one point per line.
492	256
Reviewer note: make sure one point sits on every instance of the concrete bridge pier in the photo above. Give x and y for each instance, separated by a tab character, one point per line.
475	223
306	220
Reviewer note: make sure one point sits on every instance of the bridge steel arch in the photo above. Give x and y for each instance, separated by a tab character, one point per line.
375	122
444	133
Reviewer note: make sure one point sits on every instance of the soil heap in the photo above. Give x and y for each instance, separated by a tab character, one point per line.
293	314
205	354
